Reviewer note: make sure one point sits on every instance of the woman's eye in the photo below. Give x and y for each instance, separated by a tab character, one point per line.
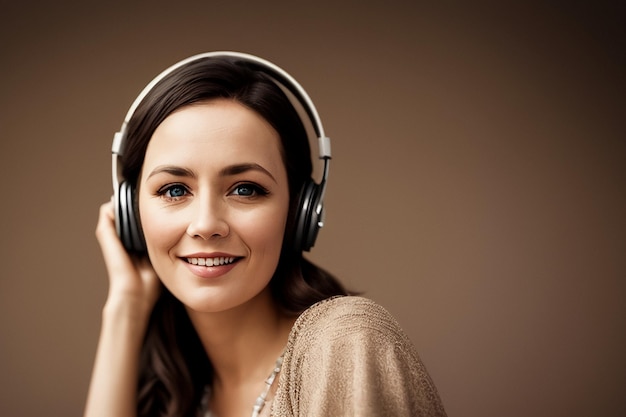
173	191
248	190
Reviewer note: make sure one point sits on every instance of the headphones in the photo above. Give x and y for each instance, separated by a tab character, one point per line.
310	216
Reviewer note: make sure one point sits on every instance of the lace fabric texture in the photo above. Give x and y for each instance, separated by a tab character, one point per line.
347	356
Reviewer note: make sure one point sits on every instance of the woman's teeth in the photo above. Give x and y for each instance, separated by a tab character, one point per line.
222	260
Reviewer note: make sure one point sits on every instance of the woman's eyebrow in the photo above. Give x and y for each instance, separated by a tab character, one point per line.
241	168
228	171
172	170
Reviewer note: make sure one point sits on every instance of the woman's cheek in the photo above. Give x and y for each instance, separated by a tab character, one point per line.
161	230
267	227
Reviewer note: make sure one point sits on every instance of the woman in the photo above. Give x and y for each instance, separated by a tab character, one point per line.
217	296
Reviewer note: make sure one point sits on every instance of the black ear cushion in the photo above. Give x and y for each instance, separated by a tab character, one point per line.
122	217
307	222
129	229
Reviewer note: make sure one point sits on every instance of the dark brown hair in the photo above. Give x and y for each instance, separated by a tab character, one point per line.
174	368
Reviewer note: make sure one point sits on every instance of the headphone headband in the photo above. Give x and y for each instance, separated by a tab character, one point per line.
279	75
282	79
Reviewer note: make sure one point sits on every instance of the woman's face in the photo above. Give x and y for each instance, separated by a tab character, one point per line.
213	202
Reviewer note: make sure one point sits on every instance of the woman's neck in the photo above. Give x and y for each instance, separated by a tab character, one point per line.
243	343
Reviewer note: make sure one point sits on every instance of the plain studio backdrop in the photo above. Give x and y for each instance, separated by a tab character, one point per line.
477	188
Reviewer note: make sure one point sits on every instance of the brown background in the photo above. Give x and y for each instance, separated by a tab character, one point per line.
477	188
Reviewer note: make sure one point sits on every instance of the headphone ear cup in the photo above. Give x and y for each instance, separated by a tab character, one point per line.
129	228
308	221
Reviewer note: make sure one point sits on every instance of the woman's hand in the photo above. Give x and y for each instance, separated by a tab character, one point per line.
133	290
133	284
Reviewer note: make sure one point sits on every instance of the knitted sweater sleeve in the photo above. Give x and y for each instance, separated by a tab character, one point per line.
348	356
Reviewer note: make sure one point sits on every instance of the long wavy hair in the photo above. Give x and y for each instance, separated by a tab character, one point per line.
174	368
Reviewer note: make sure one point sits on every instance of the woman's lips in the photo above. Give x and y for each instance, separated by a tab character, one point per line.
210	265
215	261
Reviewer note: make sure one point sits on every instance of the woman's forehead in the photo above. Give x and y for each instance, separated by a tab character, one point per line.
216	133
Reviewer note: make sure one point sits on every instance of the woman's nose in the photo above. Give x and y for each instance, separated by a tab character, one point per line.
208	219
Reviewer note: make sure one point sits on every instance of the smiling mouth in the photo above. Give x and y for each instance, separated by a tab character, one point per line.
221	260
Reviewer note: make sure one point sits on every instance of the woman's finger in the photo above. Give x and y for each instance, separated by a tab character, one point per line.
115	256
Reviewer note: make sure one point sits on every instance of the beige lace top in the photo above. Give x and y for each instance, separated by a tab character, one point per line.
347	356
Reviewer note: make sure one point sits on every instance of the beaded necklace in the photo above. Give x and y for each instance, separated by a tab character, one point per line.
262	399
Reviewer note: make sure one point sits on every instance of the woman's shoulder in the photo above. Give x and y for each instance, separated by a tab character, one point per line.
348	356
339	306
346	316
